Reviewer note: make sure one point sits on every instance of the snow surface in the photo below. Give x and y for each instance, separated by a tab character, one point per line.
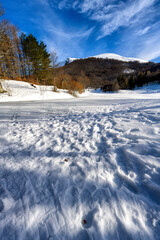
113	56
23	91
81	168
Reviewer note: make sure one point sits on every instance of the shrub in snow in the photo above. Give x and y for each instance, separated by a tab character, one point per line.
1	88
66	81
5	88
42	89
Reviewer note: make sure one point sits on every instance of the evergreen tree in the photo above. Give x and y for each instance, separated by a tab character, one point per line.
22	56
37	58
123	82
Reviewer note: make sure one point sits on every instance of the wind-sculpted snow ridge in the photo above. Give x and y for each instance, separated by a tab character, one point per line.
113	56
80	169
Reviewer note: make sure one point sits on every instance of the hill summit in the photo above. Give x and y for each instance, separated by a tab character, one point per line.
112	56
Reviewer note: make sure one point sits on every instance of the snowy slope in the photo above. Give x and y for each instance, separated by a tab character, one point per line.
113	56
82	168
23	91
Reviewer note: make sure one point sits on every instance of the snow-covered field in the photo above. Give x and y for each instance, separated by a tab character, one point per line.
23	91
82	168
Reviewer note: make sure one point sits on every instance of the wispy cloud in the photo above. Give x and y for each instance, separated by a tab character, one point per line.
122	14
142	42
58	36
143	31
154	53
137	17
150	47
133	20
60	32
89	7
111	15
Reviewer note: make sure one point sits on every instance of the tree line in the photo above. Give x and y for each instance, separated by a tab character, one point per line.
23	56
132	81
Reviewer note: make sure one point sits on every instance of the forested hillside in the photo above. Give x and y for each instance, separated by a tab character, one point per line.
111	74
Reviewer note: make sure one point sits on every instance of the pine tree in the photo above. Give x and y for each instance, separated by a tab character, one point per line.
22	56
37	58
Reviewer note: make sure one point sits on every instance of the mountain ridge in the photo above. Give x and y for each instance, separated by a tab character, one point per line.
112	56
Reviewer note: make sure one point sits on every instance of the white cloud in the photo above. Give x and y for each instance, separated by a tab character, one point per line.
143	31
142	42
59	31
123	14
150	48
140	33
110	14
89	6
62	4
67	42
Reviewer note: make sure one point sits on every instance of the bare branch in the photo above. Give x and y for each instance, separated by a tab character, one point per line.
1	10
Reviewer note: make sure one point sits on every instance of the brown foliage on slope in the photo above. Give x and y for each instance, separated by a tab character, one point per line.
100	72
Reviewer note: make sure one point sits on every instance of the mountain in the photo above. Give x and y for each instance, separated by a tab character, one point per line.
110	72
112	56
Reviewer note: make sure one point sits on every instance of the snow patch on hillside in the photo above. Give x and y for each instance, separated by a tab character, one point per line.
113	56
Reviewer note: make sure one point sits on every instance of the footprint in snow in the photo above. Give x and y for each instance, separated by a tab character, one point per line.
14	134
87	220
82	235
1	206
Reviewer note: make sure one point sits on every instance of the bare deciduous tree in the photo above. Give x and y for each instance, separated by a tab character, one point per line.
55	64
1	10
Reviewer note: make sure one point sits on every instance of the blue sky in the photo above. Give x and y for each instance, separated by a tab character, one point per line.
86	28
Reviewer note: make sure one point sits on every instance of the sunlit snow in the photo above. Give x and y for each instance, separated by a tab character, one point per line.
113	56
79	168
